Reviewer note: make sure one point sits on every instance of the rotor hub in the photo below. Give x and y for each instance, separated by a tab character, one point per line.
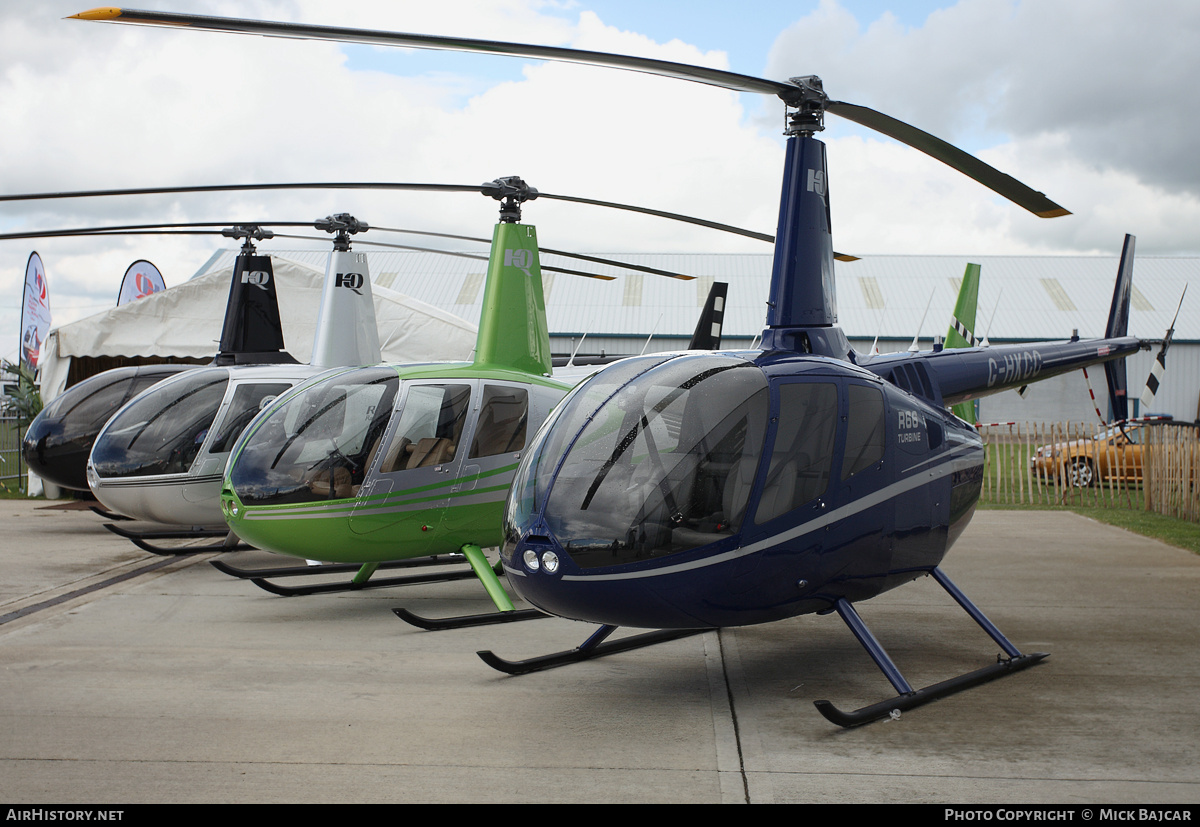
343	225
809	102
512	192
250	232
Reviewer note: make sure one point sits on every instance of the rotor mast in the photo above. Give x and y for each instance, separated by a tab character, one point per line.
802	307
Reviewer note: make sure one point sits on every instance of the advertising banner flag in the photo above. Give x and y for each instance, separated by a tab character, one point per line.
141	279
35	311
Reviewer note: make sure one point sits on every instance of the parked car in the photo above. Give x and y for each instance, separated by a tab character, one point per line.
1117	454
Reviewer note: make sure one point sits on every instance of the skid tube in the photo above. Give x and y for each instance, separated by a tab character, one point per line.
360	584
437	624
908	698
142	539
330	568
488	575
593	647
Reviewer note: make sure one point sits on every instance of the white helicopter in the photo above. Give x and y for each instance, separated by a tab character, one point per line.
162	456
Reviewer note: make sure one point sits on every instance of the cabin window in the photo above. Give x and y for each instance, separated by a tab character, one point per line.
803	452
864	430
430	427
503	419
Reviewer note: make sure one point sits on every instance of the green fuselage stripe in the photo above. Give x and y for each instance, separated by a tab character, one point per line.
410	496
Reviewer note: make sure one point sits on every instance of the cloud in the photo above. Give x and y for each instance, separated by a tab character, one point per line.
1086	101
121	106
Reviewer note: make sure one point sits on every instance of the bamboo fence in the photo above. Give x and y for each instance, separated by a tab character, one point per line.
1172	478
1071	463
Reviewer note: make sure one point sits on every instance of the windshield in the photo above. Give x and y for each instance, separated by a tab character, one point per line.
162	431
103	392
545	450
319	443
665	465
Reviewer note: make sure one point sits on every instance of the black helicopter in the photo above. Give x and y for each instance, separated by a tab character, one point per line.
689	492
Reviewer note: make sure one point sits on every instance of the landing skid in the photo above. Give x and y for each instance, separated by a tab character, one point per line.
362	576
488	578
434	624
142	539
593	647
885	709
382	583
328	568
908	697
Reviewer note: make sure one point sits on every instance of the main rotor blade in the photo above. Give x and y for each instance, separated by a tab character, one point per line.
176	229
547	267
202	228
661	214
965	163
39	196
992	178
266	28
380	185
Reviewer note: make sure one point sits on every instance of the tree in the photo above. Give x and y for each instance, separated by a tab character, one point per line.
24	400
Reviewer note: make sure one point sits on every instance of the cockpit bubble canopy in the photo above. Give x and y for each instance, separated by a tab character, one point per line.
663	462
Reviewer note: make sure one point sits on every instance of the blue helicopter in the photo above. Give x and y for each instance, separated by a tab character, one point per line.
687	492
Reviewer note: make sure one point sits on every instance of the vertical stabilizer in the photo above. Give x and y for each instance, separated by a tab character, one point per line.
962	329
512	326
1118	325
707	335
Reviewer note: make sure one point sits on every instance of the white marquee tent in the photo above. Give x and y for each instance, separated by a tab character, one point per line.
185	322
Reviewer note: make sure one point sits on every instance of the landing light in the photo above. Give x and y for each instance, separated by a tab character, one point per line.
531	560
550	561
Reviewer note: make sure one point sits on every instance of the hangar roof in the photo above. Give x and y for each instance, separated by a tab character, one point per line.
1024	297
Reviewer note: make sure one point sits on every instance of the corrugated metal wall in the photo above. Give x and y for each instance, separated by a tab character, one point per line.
1021	298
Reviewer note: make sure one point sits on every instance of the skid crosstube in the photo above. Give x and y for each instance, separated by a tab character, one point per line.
908	698
1009	662
593	647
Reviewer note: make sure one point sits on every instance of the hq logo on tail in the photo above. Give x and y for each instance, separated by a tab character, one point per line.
352	281
521	259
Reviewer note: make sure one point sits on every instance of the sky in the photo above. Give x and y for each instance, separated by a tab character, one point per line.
1093	102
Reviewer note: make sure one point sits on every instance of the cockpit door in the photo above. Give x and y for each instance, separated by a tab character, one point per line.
417	464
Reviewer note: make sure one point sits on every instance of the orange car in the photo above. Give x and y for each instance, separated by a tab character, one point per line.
1083	462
